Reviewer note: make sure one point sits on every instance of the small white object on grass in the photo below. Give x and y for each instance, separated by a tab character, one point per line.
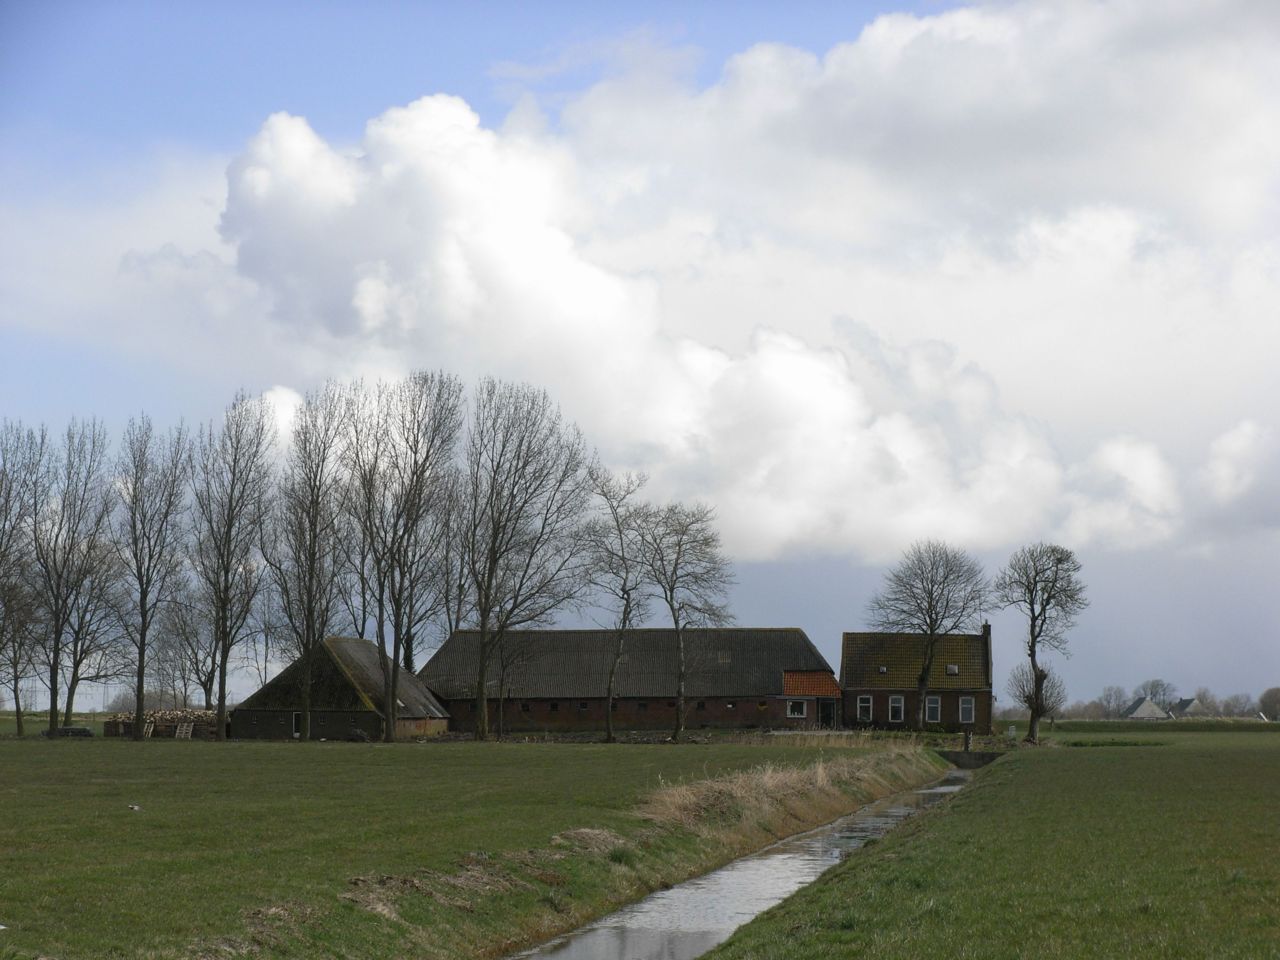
134	806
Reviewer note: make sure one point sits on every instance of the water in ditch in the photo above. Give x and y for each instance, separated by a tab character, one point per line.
687	920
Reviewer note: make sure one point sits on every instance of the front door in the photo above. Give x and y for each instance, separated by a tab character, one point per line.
297	725
826	713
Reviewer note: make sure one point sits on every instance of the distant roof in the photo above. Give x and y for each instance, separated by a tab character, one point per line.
346	676
892	661
554	664
1189	707
1144	708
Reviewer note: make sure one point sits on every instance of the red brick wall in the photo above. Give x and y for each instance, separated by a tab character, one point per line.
950	708
655	714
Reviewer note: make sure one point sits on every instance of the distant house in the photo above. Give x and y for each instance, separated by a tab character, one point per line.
879	674
558	679
1144	708
1188	708
346	699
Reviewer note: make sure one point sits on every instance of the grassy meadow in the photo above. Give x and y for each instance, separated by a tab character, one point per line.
1119	840
358	850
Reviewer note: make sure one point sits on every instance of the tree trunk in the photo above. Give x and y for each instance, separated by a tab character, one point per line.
17	706
139	691
675	735
53	688
482	702
306	692
222	692
1037	699
608	706
922	683
71	699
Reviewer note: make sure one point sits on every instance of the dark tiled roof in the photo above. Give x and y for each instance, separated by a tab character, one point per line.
892	661
1189	707
564	664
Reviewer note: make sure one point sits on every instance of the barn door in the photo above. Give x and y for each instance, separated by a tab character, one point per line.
297	725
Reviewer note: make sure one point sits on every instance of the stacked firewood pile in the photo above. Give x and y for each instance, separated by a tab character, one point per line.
164	724
169	716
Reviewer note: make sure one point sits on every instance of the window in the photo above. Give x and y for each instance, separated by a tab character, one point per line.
796	709
555	706
702	705
724	656
582	705
895	709
728	704
932	709
614	706
884	669
864	709
642	705
953	669
966	709
762	704
524	707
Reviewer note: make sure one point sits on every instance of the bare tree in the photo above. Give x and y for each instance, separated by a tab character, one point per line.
615	552
301	544
1269	703
187	625
18	630
526	492
456	604
151	480
1043	581
1161	691
69	525
400	445
1039	689
689	574
230	478
1113	700
1239	705
95	647
935	589
19	461
1208	701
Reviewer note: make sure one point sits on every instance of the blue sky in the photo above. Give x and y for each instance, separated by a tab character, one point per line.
854	273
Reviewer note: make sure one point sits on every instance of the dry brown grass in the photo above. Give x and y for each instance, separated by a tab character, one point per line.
777	798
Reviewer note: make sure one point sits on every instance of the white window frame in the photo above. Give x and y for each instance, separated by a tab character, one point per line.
897	703
864	700
966	704
932	709
797	709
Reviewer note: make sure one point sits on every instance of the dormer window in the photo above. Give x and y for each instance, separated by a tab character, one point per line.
953	669
884	669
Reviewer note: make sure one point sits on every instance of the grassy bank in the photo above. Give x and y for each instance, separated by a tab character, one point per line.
1162	844
352	850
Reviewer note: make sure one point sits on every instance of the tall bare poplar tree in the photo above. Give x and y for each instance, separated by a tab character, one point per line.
934	590
526	492
69	526
151	485
302	543
615	555
691	576
18	465
1043	581
230	481
401	443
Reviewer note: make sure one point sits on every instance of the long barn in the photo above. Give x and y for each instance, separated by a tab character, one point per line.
558	679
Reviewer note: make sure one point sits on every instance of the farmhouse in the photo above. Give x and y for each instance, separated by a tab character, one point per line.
879	673
1188	708
346	699
559	679
1144	708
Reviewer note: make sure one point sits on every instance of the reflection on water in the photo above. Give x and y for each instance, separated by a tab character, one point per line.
686	921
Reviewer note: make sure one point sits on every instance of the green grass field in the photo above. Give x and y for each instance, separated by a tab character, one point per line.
253	846
35	721
1150	841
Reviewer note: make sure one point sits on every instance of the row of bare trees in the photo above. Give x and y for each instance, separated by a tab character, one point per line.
938	589
396	511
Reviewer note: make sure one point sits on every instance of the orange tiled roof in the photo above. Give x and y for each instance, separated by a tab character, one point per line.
809	683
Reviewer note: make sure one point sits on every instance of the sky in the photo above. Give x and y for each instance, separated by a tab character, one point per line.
856	274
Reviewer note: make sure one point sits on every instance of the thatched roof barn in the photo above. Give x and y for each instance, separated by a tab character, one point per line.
346	698
1144	708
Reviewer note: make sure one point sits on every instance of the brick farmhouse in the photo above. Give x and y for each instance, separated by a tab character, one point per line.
879	673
